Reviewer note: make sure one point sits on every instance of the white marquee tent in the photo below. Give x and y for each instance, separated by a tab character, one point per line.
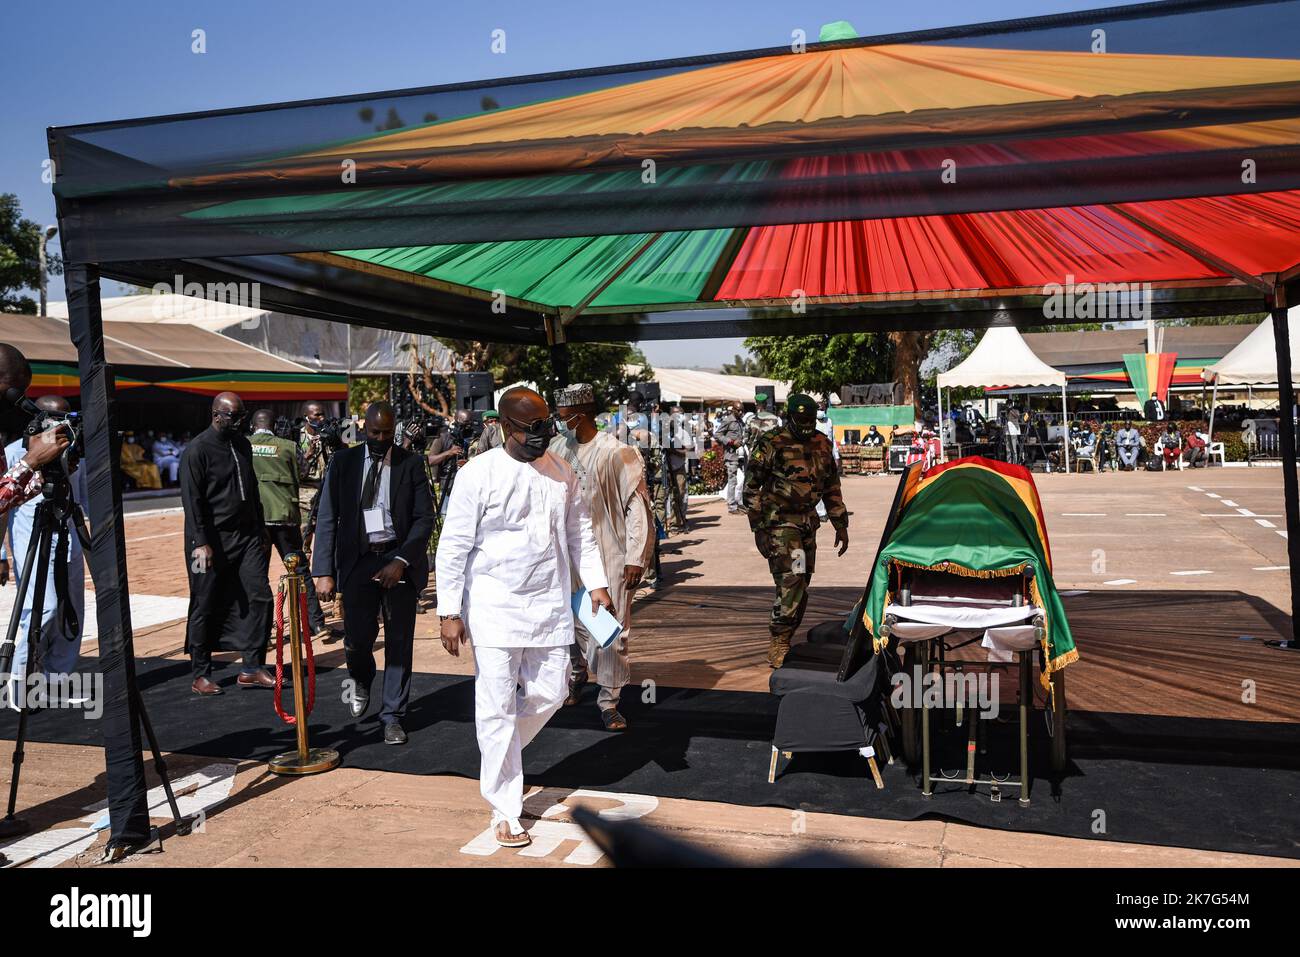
696	385
316	344
1254	360
1002	359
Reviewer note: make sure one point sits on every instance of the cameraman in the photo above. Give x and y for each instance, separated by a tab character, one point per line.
23	479
448	450
61	631
314	454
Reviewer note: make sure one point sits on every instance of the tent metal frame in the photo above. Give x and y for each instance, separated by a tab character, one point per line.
315	286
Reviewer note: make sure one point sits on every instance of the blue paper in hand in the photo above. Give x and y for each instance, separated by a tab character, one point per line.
602	626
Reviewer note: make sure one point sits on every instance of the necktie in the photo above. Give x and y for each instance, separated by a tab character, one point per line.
371	485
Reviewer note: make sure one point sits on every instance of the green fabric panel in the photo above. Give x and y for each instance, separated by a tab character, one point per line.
838	30
892	415
561	272
973	518
528	187
1136	364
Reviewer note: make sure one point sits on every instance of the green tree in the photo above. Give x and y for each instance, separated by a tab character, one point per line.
744	365
821	364
610	367
20	244
1244	319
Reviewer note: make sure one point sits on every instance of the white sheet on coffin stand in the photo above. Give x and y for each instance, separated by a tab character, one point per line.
1004	633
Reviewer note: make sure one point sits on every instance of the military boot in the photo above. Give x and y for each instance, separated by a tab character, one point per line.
777	649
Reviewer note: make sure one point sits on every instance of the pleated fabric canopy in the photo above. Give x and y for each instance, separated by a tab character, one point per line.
933	178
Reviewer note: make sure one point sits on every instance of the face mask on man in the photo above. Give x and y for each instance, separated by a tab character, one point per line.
378	447
228	423
537	436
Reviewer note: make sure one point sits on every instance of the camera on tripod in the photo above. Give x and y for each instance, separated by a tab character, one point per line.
70	422
331	433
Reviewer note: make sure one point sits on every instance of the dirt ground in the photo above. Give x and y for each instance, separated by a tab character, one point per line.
1197	553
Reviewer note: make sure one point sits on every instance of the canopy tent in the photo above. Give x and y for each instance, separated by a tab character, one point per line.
912	181
162	362
1002	359
310	343
1254	362
697	385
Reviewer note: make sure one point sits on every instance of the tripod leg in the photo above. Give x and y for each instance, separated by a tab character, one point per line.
183	824
42	532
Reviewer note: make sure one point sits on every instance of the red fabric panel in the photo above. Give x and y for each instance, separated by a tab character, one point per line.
1164	374
970	251
1259	232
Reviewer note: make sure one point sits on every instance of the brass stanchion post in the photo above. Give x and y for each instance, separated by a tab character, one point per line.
306	759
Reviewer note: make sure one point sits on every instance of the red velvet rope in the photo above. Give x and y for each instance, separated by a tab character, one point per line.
287	718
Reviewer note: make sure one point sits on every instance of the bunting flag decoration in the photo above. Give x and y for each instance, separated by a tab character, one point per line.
978	518
1151	373
263	387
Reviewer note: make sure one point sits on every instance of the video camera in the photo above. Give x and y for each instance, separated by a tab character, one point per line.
464	433
331	433
42	421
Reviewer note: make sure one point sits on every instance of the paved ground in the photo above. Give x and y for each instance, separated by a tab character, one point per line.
1185	552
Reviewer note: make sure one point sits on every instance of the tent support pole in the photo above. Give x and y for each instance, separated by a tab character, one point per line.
1290	485
559	346
1214	401
128	811
1065	432
943	446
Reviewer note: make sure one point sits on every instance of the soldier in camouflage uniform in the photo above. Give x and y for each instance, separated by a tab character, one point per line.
760	423
790	470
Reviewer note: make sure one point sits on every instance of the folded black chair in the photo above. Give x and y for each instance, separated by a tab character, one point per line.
831	697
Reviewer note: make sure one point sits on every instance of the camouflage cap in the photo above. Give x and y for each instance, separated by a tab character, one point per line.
801	405
580	393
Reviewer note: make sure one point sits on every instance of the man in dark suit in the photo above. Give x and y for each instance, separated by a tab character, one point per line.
372	535
1154	410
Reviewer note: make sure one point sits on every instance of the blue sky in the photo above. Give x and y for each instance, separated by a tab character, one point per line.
80	61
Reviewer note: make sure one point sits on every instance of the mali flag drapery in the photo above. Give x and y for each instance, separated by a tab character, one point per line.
980	518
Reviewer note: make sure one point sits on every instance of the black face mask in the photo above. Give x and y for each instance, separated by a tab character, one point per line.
537	437
803	429
378	447
228	425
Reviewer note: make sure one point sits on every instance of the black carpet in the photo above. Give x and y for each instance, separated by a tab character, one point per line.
1216	785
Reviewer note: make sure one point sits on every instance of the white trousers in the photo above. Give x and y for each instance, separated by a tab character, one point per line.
515	693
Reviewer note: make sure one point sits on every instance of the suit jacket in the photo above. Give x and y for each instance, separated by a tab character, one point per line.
1154	410
340	537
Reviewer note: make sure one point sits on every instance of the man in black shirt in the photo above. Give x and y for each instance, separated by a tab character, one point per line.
227	550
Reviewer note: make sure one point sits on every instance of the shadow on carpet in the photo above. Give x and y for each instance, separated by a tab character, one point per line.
1186	782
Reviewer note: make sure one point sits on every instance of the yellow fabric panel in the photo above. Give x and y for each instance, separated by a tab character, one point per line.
863	81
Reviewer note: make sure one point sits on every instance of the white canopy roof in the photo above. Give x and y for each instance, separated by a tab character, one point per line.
1254	360
1001	359
696	385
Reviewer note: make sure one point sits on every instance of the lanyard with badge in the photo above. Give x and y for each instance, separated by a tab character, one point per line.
373	517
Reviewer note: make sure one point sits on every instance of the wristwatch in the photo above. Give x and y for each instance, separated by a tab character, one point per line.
449	617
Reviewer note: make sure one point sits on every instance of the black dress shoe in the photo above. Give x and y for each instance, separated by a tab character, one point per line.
393	733
360	702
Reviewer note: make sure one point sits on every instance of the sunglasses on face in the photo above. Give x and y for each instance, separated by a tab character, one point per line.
538	428
236	418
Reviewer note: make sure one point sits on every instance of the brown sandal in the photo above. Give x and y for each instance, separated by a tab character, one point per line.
508	838
613	720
